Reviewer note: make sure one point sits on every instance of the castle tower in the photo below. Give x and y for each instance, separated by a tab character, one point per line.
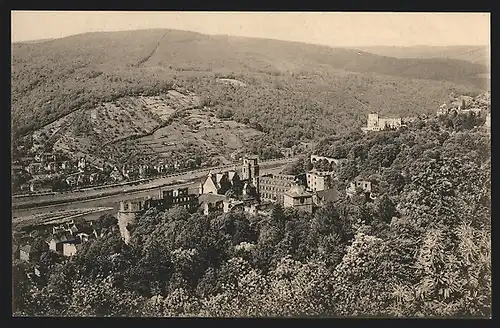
128	212
250	167
250	171
372	122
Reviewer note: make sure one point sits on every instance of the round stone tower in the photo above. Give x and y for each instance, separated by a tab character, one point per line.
128	212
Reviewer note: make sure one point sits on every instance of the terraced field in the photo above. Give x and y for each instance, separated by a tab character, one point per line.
199	131
140	129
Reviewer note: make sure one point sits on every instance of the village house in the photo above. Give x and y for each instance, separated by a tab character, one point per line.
82	163
366	186
63	242
65	165
35	168
51	167
116	175
287	152
297	197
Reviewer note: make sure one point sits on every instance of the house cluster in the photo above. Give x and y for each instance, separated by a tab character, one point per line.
68	237
239	189
464	105
64	239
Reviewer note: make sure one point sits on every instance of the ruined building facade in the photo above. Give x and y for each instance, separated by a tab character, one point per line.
375	123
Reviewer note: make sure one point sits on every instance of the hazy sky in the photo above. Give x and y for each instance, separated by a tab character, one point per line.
328	28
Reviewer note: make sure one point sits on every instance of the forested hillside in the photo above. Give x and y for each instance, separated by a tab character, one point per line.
474	54
53	78
422	248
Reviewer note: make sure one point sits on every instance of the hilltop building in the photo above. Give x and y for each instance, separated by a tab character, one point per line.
375	123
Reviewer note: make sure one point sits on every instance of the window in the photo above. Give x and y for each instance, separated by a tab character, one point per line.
302	200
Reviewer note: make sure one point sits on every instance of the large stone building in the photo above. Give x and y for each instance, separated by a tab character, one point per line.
212	203
250	174
170	198
273	186
298	197
375	123
319	180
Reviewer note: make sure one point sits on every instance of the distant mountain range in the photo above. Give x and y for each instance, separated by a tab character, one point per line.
474	54
285	80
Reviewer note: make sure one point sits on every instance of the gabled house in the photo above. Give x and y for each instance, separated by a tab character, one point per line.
218	183
298	197
63	242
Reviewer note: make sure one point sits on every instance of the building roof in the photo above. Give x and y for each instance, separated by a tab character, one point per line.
211	198
328	195
298	191
63	236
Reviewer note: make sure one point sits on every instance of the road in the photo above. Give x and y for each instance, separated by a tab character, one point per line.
112	200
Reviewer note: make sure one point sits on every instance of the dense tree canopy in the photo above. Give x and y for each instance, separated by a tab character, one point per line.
421	248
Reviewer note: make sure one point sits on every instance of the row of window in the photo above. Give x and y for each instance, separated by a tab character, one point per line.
269	196
275	188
